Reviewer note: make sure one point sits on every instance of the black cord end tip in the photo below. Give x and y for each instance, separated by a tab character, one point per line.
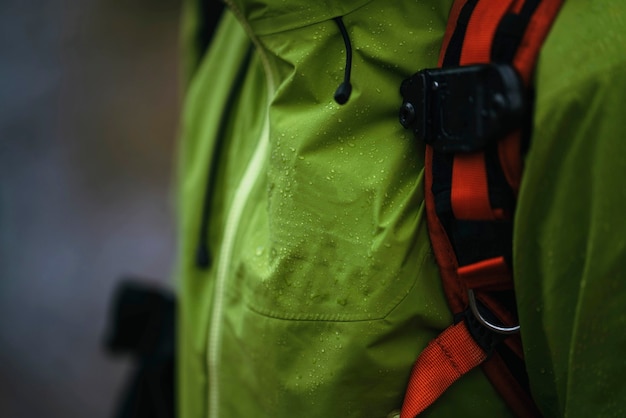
342	94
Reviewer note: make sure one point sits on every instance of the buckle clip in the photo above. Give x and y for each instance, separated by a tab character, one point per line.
462	109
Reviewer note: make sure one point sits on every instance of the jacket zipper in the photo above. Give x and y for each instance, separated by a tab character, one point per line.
203	254
237	206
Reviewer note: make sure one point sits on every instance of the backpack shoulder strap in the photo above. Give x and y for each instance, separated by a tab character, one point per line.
474	113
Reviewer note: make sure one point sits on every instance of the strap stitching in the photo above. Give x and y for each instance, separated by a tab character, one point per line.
449	356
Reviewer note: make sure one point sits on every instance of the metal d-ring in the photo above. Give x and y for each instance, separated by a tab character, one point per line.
495	328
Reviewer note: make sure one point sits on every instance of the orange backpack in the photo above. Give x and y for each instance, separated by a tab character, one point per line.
473	112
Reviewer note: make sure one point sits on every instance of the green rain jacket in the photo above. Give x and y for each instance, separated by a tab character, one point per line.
321	288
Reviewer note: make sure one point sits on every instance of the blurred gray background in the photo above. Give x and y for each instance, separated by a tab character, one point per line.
89	106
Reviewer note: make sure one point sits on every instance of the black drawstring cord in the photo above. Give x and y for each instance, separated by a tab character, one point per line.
203	255
342	94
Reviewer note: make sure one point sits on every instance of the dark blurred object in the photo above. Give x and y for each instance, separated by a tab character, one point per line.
89	104
143	326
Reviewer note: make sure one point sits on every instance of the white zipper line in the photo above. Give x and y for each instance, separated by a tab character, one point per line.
232	222
239	202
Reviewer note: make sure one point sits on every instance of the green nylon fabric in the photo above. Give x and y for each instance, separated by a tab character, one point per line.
570	245
323	289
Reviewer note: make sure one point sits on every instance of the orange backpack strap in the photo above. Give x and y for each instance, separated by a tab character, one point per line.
474	113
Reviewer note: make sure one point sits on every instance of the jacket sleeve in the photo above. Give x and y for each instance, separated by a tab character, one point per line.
570	243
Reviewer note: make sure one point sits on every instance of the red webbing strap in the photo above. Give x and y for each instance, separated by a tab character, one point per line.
524	62
470	192
521	404
443	362
455	352
489	275
536	32
481	30
453	16
453	287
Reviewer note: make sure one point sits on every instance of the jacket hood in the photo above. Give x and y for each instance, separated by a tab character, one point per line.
272	16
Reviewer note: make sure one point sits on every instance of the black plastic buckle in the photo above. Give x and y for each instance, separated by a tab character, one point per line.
462	109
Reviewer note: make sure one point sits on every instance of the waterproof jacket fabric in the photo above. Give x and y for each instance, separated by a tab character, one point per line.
320	288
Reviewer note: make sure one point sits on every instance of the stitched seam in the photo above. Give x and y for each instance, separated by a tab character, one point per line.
449	357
